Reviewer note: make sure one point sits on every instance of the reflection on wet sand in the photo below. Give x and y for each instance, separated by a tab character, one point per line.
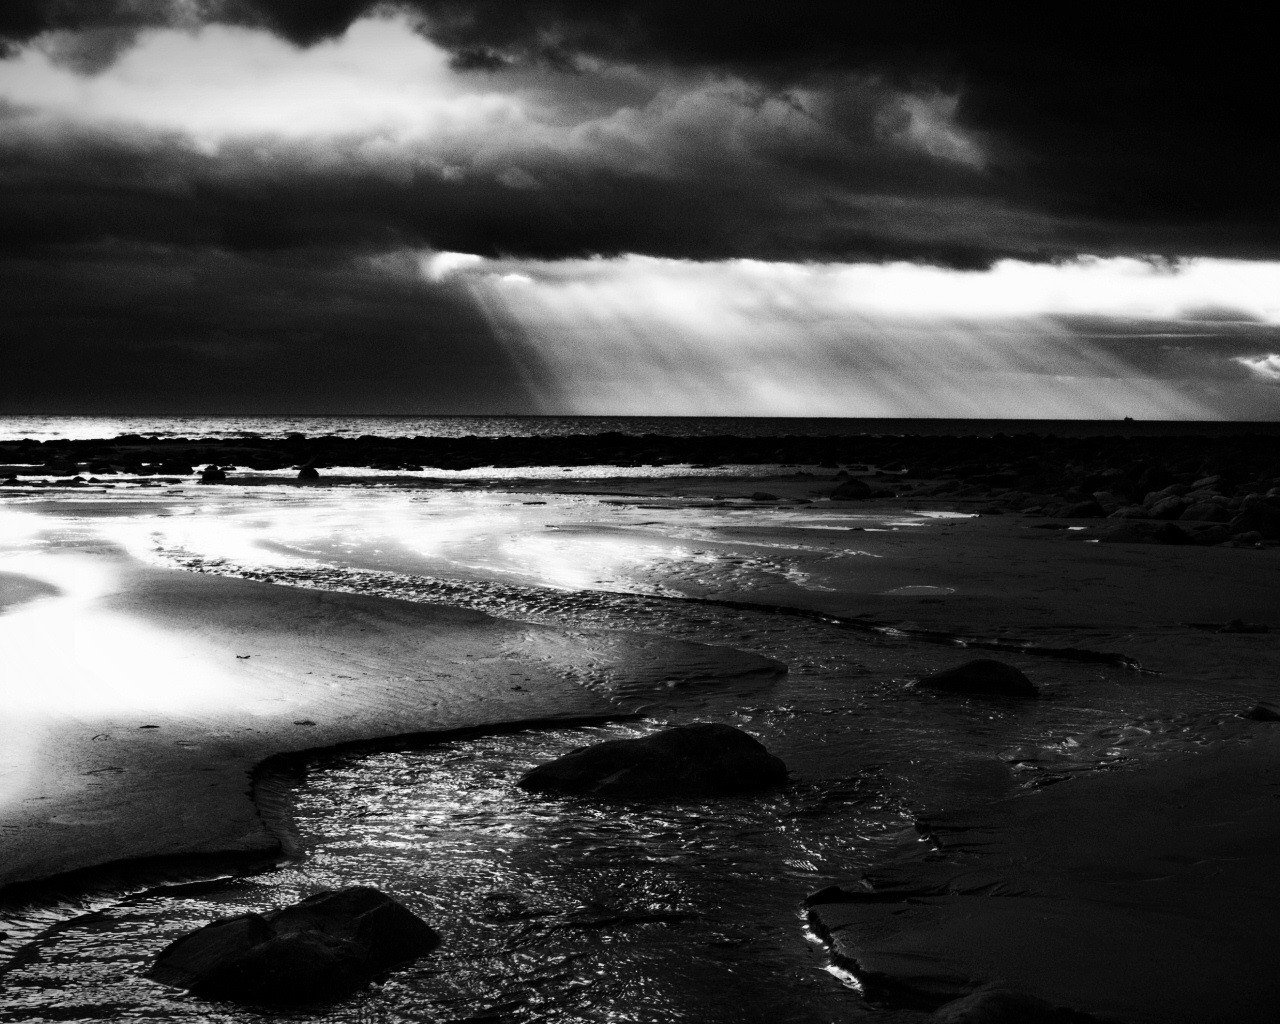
165	664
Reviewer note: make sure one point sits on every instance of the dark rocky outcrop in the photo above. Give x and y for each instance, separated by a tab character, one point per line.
1210	511
852	490
1147	533
993	1005
1240	626
1083	510
688	761
1130	471
213	475
983	676
308	473
1263	711
317	950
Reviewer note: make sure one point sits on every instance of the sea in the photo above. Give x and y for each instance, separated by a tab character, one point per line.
54	427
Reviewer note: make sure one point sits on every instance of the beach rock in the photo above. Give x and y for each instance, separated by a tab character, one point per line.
1208	511
1167	508
763	496
688	761
1258	517
1147	533
852	490
1109	501
1209	533
213	475
993	1005
1172	491
1263	711
1240	626
983	676
317	950
1083	510
308	473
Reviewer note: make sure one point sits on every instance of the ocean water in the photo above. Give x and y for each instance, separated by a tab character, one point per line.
43	428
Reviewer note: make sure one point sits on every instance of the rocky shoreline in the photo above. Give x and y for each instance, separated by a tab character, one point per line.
1187	489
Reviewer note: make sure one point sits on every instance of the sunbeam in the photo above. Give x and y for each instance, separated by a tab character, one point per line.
638	334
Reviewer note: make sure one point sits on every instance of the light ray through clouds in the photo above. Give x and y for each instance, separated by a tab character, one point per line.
747	337
374	144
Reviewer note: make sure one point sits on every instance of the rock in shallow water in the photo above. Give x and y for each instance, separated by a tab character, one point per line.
320	949
689	761
1263	711
982	676
852	490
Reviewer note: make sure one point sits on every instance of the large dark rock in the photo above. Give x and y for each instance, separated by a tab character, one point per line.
1240	626
1167	508
213	475
1006	1006
1147	533
1263	711
1083	510
320	949
982	676
1207	512
1259	515
689	761
852	490
308	473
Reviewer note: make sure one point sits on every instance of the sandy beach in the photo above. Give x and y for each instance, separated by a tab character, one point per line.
163	644
146	703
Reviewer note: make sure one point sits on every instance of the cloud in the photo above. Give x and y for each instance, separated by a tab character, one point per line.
1266	367
872	206
383	93
860	132
115	328
377	134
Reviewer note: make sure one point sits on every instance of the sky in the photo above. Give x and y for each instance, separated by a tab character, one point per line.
648	207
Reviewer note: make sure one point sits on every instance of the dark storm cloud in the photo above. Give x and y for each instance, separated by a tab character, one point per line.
87	186
206	241
111	327
1131	127
1147	117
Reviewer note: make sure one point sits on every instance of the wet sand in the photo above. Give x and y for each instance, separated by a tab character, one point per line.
1141	896
141	702
1124	869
